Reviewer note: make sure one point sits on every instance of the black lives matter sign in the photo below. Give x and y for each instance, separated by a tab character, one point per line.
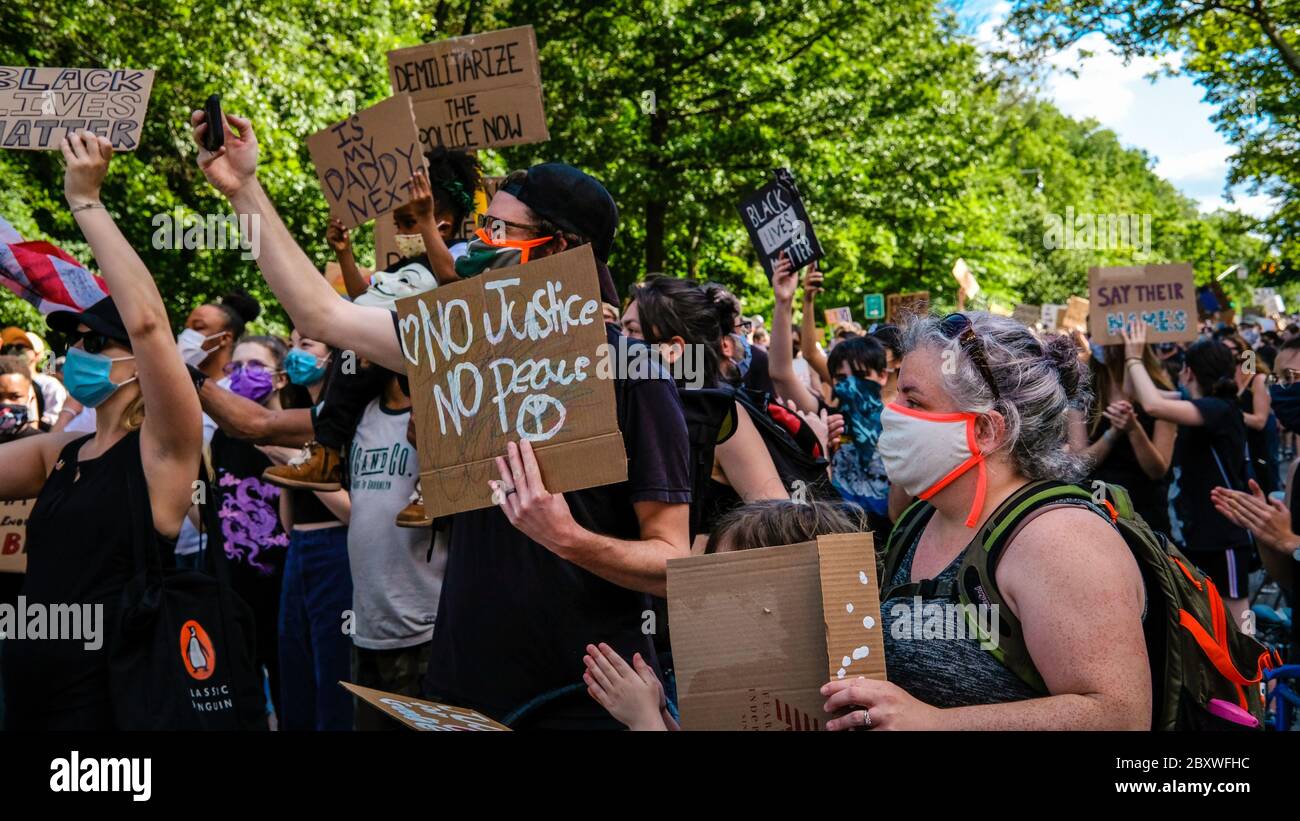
479	91
38	106
777	221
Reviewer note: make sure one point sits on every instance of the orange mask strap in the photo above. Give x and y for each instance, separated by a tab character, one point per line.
524	245
976	459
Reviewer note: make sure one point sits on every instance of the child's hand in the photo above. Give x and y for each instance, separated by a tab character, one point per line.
634	697
339	238
421	196
812	282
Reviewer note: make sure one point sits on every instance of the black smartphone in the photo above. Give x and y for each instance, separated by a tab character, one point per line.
215	137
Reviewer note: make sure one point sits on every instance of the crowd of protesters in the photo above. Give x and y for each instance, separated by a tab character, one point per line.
531	611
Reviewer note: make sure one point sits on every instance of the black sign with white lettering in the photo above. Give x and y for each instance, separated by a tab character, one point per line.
777	221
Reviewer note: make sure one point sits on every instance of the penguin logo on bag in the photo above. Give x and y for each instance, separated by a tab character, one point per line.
196	651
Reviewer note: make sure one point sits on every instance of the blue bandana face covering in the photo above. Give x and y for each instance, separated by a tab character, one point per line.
86	376
859	402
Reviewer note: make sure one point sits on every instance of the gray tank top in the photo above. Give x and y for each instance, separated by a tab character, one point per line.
931	653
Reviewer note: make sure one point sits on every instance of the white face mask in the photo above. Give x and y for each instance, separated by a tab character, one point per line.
410	245
386	287
924	452
190	343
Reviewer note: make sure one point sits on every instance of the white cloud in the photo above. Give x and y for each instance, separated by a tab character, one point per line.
1204	165
1105	87
1256	205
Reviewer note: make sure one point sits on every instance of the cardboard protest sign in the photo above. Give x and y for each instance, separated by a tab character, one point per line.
1027	314
777	221
513	353
1075	316
13	535
38	106
873	306
479	91
429	716
756	633
365	163
1162	296
837	316
965	279
902	307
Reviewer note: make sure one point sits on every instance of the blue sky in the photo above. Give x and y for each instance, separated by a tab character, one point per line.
1166	118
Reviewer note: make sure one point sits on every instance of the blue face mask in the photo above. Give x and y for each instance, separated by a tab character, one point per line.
1286	405
743	364
86	376
303	368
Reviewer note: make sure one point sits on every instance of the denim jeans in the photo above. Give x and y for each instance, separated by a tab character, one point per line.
315	653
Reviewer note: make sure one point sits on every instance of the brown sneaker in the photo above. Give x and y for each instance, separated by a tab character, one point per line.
316	468
413	515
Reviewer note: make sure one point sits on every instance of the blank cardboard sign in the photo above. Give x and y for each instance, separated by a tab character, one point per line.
903	308
1162	296
510	354
479	91
756	633
419	714
38	106
365	163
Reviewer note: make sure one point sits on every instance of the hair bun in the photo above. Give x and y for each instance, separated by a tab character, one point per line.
241	303
1063	353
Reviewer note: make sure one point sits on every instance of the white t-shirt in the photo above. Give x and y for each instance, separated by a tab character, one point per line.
395	587
54	394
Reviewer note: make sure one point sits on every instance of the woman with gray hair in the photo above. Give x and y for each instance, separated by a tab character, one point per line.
980	416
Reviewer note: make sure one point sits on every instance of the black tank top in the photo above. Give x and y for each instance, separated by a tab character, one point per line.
1121	467
1261	458
79	550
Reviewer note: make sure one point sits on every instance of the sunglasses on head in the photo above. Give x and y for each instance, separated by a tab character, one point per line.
92	341
958	327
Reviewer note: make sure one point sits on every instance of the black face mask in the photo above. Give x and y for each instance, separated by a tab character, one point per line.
1286	405
12	417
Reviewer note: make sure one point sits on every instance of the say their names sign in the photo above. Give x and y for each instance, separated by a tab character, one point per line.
38	106
1161	296
778	222
479	91
366	162
511	354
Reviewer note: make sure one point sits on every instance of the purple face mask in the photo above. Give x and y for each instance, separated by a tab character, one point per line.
254	384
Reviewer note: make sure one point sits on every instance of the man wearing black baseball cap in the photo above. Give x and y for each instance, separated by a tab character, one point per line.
519	604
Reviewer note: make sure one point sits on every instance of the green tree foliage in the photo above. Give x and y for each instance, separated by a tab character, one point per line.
911	149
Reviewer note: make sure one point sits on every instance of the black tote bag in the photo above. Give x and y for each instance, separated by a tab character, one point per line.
181	655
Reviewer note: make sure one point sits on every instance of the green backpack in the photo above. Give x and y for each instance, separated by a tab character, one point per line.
1196	652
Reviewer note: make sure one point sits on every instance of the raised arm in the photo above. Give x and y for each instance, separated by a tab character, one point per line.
780	353
172	433
812	352
1145	392
316	310
245	419
426	216
340	239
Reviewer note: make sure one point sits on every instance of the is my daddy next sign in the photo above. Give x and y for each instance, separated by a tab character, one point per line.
777	221
512	354
1162	296
38	106
479	91
365	163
